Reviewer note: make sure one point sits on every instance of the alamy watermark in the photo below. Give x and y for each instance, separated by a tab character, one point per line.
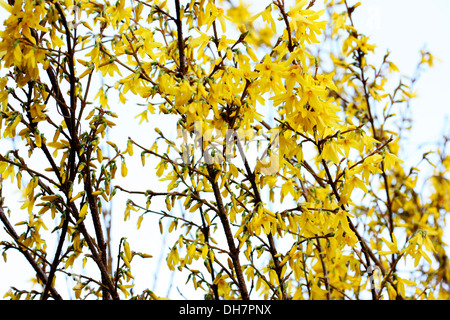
211	146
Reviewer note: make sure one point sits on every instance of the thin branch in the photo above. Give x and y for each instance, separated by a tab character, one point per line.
234	251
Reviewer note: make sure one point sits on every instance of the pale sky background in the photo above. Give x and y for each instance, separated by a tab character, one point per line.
404	27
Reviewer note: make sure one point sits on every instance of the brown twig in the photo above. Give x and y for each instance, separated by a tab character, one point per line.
39	272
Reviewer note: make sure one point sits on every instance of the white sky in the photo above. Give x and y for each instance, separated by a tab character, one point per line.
403	27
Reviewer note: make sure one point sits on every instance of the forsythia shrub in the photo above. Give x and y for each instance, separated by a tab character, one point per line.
327	210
